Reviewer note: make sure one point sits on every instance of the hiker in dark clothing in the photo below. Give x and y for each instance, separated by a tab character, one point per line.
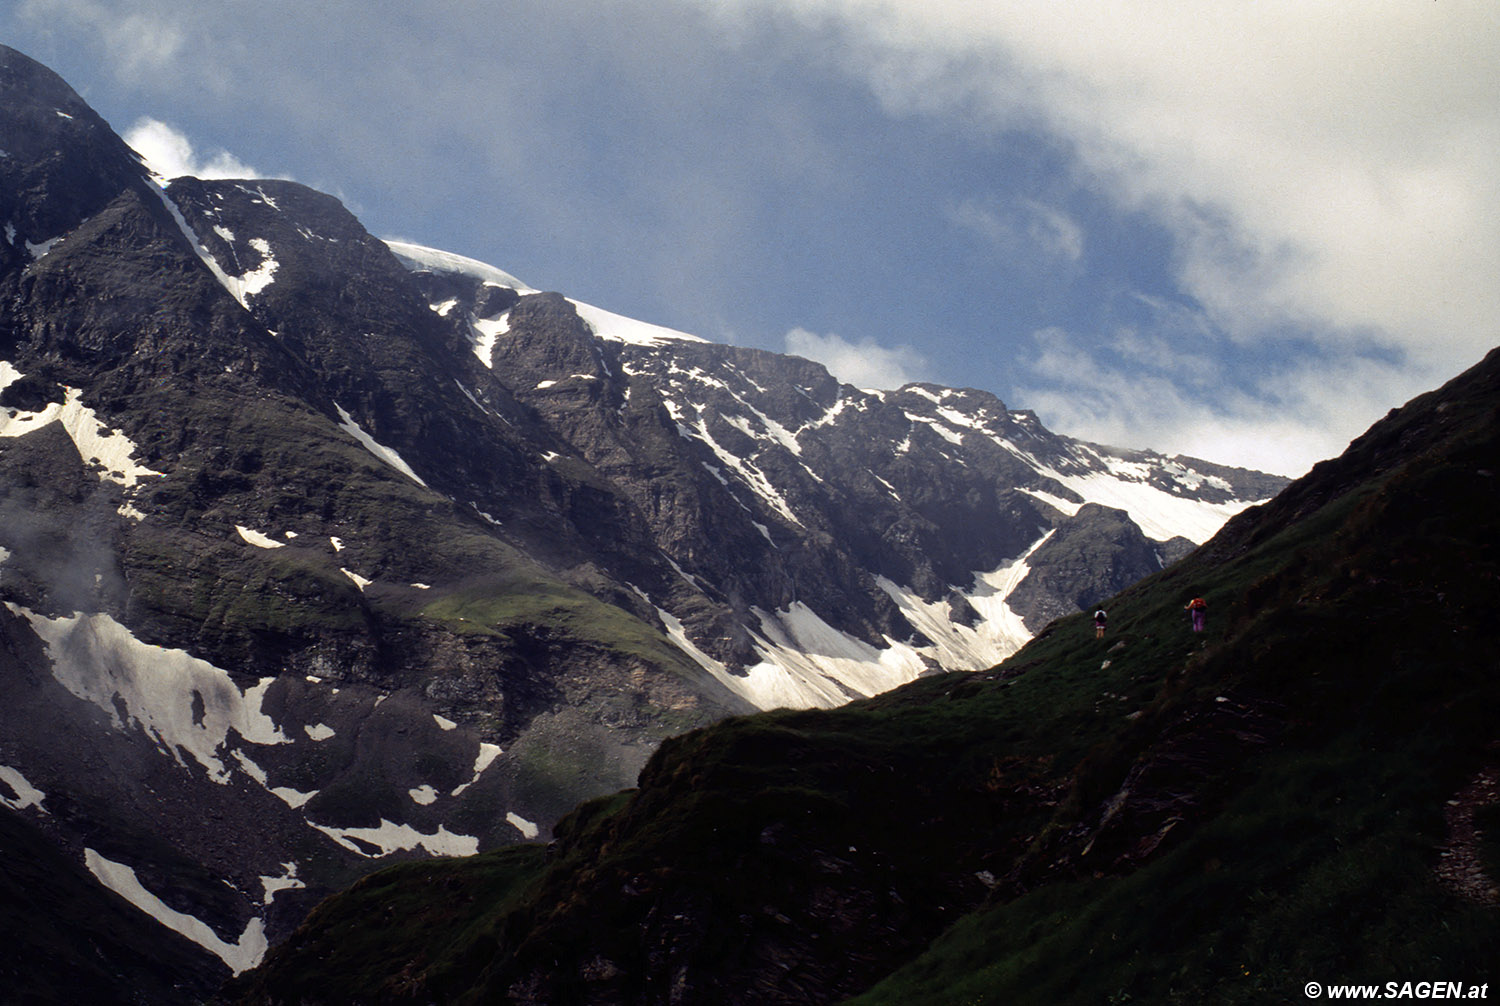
1197	610
1100	620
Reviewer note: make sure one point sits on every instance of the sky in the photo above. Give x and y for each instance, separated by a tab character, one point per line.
1240	232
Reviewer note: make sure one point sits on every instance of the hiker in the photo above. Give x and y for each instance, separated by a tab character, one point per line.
1197	610
1100	618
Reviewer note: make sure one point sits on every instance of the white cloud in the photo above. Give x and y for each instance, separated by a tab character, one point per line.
170	154
1021	229
1290	420
1321	165
138	41
863	364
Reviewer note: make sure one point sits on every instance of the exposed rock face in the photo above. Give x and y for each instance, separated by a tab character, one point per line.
319	551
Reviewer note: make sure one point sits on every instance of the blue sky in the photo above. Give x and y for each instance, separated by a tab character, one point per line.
1237	231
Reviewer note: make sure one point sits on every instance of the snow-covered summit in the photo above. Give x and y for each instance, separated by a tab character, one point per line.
419	257
604	324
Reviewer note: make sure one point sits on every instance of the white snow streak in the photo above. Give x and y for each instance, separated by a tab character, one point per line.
487	754
1160	515
39	251
390	457
806	662
291	797
997	634
121	879
359	581
419	258
389	838
618	328
242	287
486	332
286	882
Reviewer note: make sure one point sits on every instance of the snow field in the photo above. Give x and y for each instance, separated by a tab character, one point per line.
185	704
807	663
419	258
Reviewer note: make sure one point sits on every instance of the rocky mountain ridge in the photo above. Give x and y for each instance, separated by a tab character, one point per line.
317	551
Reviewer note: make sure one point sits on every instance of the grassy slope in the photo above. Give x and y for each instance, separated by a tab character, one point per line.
1318	863
1217	818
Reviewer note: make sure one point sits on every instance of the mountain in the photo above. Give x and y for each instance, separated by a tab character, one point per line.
1309	790
318	551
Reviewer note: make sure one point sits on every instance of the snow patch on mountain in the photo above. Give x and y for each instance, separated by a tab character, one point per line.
749	474
238	956
808	663
389	838
97	444
384	453
358	580
618	328
805	662
258	539
1160	514
997	634
420	258
26	795
256	280
241	287
486	332
487	754
181	702
527	829
291	797
39	251
273	886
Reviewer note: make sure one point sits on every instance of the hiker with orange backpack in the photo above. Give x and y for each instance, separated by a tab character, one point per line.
1197	610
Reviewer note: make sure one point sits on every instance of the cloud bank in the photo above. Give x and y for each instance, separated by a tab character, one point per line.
1321	168
170	154
864	364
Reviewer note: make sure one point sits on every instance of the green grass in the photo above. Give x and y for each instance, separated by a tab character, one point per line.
519	603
